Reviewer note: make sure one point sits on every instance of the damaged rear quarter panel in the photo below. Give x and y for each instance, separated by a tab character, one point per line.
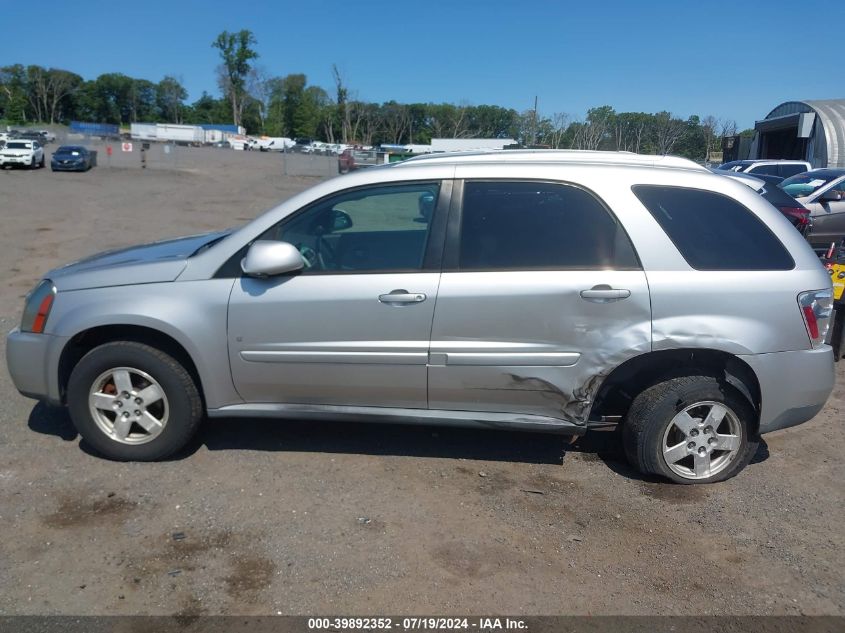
739	312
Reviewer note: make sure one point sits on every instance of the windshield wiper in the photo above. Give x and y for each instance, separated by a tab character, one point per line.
210	243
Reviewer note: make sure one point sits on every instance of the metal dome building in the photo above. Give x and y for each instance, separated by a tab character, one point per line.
803	130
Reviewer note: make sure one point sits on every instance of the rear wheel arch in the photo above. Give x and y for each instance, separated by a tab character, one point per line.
83	342
626	381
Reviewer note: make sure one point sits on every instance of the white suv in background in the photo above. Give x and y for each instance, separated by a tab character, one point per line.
765	167
22	152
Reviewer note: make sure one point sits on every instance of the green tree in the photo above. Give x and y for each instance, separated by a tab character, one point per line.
206	109
236	52
170	98
13	93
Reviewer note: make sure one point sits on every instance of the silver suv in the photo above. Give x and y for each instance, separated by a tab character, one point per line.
547	291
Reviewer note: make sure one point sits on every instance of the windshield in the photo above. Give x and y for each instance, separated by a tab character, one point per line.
17	145
69	150
804	184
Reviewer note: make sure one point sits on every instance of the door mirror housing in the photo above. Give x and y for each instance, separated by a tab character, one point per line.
340	220
831	195
267	258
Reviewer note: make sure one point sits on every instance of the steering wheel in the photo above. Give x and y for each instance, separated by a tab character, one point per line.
311	257
325	248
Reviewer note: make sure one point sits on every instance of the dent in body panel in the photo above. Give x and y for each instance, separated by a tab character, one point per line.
563	392
738	312
700	331
576	340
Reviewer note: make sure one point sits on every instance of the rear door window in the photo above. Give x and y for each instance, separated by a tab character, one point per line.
771	170
713	231
539	226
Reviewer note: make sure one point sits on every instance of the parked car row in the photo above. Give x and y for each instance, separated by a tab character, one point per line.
21	152
42	136
815	201
794	211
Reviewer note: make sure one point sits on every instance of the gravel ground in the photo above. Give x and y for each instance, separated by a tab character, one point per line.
258	517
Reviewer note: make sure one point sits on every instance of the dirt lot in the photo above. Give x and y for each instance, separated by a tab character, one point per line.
302	518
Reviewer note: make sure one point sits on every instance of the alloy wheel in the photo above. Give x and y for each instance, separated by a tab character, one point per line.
702	440
128	405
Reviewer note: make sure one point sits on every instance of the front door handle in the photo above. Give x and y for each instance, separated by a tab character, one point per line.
402	296
605	294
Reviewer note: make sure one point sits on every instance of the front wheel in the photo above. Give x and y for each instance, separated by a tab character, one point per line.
41	163
133	402
693	429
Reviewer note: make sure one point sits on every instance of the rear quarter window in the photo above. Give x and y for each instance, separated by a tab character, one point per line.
713	231
790	170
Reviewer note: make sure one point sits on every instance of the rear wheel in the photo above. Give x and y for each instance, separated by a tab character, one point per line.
41	163
694	429
133	402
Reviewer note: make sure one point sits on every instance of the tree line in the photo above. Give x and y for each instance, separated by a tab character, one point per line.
289	106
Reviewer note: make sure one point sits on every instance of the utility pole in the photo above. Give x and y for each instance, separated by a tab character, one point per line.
534	123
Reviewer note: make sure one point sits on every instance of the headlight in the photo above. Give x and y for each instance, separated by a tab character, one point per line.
37	308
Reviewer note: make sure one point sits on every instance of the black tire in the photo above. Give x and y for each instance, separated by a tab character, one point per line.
184	402
41	164
654	409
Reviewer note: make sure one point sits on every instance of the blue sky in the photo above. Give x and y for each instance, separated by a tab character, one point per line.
634	56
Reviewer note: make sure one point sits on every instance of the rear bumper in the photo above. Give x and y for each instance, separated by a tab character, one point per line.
33	361
794	386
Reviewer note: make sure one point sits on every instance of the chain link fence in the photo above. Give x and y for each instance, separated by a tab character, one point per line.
295	164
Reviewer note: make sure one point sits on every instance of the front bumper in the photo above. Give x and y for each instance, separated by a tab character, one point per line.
33	362
15	160
794	386
67	166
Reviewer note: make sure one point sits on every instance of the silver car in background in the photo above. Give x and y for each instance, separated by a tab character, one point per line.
822	191
550	291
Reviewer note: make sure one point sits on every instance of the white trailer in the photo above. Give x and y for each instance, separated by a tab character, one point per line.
214	136
167	132
180	133
143	131
468	144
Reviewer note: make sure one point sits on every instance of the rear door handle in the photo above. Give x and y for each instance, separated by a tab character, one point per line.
605	294
402	296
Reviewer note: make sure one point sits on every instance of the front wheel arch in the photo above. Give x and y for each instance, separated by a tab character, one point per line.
85	341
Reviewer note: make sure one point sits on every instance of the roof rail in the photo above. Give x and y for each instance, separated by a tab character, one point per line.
569	156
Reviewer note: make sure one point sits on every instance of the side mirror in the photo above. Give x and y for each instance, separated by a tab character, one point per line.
831	195
340	220
268	258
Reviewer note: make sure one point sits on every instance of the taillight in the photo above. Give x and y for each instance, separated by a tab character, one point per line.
799	216
816	308
39	302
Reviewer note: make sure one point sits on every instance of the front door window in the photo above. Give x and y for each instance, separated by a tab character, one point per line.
376	229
